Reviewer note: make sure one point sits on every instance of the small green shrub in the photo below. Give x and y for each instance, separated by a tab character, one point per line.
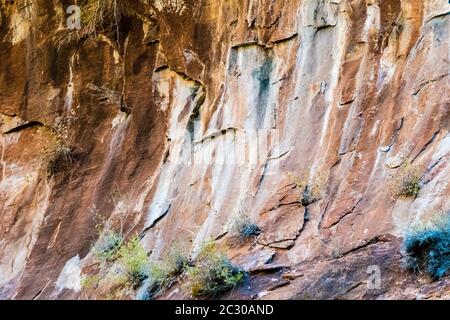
159	276
177	259
133	259
406	182
89	281
162	273
212	273
428	250
173	264
242	228
107	248
110	237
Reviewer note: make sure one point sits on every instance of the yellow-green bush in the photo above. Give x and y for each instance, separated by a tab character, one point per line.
89	281
162	273
311	189
405	182
212	273
133	259
108	246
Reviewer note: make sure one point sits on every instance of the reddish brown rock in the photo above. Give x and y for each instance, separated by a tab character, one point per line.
162	116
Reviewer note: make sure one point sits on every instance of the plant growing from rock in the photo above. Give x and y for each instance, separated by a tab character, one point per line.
310	189
162	273
212	273
109	240
177	259
405	182
89	281
6	7
60	155
104	17
132	257
242	228
175	7
101	14
428	250
123	207
108	245
57	158
97	17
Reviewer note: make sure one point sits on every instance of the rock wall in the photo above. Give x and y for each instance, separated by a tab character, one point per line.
189	112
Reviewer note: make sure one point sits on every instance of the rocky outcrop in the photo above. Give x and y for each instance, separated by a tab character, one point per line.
185	113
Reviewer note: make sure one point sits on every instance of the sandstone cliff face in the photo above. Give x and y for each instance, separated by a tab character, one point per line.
183	116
